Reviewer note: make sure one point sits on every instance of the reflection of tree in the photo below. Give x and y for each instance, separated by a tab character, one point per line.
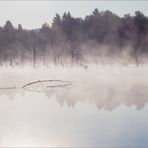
10	93
104	96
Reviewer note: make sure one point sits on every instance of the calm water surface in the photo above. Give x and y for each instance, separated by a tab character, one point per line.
105	107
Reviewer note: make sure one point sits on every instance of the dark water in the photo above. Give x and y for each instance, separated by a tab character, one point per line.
100	108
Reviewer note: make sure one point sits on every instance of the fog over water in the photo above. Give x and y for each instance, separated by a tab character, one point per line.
105	106
74	74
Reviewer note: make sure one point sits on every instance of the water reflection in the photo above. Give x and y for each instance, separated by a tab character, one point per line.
99	109
103	96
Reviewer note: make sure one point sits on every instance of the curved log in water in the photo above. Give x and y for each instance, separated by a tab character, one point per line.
65	83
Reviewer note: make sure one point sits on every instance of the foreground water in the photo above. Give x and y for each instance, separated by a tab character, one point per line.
102	107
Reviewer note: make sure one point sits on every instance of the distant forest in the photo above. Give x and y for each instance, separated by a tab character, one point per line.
100	38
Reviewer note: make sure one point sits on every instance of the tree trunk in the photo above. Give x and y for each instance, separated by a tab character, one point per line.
11	61
136	57
44	59
34	56
72	57
22	58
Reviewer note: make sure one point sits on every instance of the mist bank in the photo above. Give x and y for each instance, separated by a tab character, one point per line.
100	38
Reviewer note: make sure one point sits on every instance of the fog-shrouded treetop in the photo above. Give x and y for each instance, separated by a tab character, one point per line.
101	37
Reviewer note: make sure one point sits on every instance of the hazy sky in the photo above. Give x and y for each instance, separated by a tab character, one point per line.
32	14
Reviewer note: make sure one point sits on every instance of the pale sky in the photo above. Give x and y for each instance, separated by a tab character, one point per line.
32	14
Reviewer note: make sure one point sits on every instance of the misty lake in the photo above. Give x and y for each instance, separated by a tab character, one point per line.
100	107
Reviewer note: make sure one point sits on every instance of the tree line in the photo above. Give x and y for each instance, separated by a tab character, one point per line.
101	38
